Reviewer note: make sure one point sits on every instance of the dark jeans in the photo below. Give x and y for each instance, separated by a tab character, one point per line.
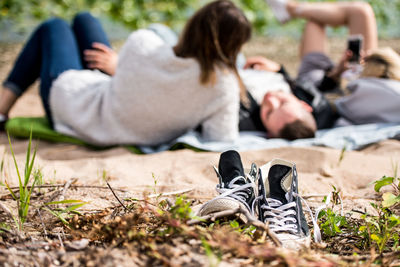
53	48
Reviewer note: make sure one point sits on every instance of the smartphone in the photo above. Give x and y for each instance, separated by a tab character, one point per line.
354	44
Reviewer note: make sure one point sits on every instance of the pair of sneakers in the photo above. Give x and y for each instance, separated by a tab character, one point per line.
269	194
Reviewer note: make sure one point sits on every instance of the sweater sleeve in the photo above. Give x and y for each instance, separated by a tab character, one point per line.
223	124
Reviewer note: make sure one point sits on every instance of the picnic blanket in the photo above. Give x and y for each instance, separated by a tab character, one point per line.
352	137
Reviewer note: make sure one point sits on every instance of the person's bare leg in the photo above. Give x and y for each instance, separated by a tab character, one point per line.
7	100
313	39
357	16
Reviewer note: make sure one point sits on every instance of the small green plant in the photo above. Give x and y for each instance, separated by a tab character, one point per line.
26	186
64	213
332	223
382	229
155	183
25	190
38	176
342	153
4	227
243	229
156	193
104	176
389	199
181	209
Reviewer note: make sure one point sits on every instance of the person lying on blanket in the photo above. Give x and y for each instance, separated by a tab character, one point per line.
375	89
153	95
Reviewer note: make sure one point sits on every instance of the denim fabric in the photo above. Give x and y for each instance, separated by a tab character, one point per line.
53	48
87	30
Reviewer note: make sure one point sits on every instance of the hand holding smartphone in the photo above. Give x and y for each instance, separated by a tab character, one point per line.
354	44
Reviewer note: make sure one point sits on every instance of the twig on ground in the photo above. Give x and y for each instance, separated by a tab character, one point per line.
115	195
388	255
6	230
359	211
213	216
72	186
66	186
170	193
6	210
41	220
62	231
14	233
61	192
313	196
343	197
61	242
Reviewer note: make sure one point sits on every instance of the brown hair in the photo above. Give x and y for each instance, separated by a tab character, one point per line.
296	130
215	35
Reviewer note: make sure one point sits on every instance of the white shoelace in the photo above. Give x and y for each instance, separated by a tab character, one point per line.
282	217
240	192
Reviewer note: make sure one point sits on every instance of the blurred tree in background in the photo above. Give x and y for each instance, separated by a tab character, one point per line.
139	13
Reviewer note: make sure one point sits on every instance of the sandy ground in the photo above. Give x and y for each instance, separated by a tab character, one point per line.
319	168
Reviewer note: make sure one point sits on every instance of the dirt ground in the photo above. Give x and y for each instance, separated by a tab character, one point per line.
139	234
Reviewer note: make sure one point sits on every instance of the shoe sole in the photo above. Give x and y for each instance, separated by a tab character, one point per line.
223	204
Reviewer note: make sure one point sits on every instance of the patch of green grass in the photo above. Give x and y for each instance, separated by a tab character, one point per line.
181	209
383	230
243	229
65	213
26	184
331	222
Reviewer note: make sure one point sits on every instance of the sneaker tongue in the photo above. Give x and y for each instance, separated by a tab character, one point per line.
230	166
279	183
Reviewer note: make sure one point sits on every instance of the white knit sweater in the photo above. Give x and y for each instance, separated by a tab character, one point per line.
153	98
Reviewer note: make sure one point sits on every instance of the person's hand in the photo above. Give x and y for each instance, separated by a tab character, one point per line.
101	57
342	65
262	63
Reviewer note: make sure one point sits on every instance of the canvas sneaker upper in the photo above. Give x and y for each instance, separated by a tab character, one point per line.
235	188
279	204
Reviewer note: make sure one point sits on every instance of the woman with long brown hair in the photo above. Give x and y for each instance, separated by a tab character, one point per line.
154	93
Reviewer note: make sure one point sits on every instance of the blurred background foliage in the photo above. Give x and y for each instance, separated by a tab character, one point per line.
17	17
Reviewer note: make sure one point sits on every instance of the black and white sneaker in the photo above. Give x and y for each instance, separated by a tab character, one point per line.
280	206
236	189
